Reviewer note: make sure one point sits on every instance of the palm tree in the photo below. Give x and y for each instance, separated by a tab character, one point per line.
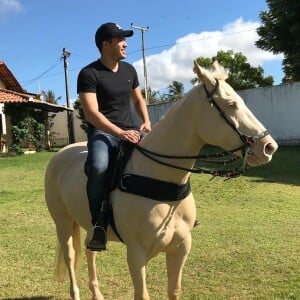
176	90
153	96
51	97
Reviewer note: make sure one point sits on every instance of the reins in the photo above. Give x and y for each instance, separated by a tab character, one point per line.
197	170
247	141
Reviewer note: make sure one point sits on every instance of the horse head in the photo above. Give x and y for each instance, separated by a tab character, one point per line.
228	122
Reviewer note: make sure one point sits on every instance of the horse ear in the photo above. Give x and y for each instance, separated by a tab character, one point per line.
216	66
219	70
204	75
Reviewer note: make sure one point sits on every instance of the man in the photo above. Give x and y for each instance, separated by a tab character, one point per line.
106	88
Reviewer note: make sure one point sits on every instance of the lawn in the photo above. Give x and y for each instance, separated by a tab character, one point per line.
247	247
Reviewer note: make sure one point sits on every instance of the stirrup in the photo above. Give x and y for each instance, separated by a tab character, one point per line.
196	223
96	239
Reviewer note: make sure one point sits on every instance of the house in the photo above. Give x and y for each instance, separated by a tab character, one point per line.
11	92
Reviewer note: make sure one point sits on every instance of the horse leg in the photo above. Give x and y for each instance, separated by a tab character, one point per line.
175	260
136	259
65	228
93	281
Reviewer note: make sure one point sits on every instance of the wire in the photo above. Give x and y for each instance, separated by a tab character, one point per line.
43	74
54	65
192	41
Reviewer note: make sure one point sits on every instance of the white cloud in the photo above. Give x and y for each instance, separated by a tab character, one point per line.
10	6
176	63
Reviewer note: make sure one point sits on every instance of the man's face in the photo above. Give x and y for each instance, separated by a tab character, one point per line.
116	47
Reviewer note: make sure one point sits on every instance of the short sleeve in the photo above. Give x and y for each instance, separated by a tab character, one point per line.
135	82
86	81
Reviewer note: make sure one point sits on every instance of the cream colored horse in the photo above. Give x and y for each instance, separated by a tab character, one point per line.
148	226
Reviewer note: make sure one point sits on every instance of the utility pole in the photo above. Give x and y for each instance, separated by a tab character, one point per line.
143	29
65	55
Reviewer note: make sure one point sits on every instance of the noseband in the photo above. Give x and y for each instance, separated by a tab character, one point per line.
247	142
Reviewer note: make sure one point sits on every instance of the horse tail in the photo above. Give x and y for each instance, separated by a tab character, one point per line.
72	250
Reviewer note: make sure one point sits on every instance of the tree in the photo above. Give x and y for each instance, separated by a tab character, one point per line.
176	90
27	127
49	135
51	98
77	105
280	33
241	74
153	96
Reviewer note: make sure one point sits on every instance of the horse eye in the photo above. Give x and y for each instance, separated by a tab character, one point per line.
232	104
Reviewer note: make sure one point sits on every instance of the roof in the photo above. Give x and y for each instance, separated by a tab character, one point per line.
14	93
9	80
7	96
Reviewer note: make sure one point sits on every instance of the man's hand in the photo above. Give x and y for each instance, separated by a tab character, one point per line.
145	127
132	136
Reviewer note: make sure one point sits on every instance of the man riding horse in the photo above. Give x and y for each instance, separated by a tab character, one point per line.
106	87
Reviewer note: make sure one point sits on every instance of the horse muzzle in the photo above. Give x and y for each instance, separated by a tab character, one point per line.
261	152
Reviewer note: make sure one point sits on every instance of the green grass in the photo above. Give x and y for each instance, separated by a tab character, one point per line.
247	246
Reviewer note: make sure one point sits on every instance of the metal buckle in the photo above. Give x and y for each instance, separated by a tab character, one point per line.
122	185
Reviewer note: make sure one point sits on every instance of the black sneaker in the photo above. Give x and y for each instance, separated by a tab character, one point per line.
96	240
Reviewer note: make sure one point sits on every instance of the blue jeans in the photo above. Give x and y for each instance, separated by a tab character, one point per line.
101	146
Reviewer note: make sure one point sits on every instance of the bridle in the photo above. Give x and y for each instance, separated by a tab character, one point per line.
247	142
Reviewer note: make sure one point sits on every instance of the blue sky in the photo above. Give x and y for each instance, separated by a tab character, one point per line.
34	32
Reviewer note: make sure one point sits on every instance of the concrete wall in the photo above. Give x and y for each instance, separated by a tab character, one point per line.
60	129
277	107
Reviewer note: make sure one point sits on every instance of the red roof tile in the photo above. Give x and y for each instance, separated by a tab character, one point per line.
14	97
7	96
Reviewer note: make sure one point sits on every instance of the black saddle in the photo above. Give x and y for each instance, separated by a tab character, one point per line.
130	183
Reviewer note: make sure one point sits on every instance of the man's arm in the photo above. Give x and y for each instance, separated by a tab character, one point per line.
141	108
98	120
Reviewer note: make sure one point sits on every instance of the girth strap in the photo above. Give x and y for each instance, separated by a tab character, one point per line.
153	188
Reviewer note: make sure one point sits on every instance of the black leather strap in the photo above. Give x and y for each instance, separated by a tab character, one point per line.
153	188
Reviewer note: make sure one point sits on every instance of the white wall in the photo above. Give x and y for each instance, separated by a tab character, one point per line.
278	108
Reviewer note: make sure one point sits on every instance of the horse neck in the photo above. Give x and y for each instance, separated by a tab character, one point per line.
175	134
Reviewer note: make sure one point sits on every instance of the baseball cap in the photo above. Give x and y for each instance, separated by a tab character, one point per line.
110	30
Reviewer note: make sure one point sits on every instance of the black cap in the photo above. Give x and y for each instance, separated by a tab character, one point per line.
110	30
